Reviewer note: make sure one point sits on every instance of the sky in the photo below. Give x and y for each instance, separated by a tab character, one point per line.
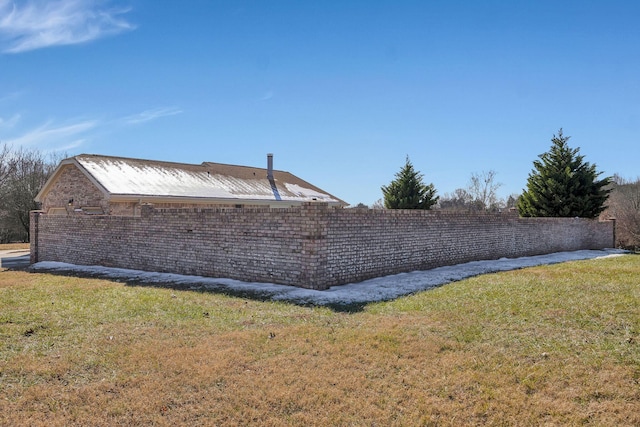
341	92
372	290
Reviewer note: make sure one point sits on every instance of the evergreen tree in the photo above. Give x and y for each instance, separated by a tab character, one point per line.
562	184
408	191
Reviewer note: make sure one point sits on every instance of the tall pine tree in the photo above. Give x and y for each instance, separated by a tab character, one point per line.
408	191
562	184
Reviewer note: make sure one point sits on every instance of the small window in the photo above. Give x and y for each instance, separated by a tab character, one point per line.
239	206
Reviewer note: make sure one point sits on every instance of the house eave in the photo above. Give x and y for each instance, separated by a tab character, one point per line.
137	198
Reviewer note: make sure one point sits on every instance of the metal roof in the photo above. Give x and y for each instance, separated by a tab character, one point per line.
124	177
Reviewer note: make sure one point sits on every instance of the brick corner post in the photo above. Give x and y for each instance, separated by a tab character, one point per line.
34	228
314	245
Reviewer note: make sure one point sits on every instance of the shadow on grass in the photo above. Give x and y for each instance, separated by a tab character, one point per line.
346	299
255	295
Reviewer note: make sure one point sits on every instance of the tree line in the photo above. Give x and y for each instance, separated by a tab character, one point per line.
561	184
23	172
624	207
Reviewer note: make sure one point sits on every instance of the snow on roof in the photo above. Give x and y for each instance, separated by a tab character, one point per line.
135	177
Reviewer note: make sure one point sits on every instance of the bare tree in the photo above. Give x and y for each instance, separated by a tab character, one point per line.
624	206
460	199
378	204
483	188
6	164
22	174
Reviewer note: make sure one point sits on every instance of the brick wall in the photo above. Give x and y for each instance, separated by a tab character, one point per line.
368	243
312	246
73	182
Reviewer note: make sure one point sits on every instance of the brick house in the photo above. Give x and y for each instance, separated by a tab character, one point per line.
95	184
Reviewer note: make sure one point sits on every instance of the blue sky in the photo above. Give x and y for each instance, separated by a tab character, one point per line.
340	91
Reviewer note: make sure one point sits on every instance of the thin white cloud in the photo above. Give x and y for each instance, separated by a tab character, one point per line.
70	146
153	114
54	137
10	122
267	96
11	96
35	24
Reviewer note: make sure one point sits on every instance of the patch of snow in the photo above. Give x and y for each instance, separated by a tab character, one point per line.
120	176
372	290
307	193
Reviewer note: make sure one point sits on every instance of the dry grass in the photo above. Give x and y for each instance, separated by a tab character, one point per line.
12	246
554	345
